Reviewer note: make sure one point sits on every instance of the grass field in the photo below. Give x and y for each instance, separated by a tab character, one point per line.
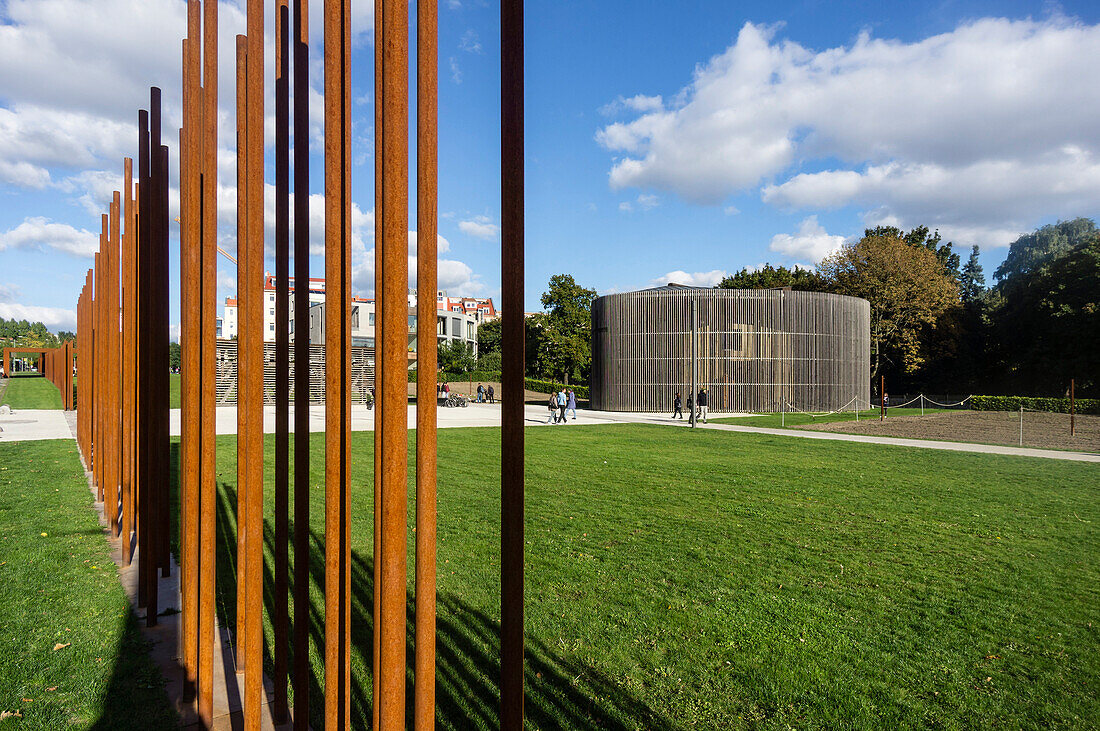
173	390
777	420
58	586
718	580
31	392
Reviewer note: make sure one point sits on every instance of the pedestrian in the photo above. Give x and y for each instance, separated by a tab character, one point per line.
492	394
446	390
691	408
552	405
572	405
563	400
480	393
702	401
677	410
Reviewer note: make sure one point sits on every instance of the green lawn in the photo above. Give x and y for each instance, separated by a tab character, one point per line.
31	392
708	579
173	390
777	420
58	586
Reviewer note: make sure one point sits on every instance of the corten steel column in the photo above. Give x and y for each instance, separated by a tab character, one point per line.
159	334
281	621
103	343
379	366
114	427
251	360
147	588
190	311
205	336
337	362
512	334
395	313
129	383
301	365
242	427
426	226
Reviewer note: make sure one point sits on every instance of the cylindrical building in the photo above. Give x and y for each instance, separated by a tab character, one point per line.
754	349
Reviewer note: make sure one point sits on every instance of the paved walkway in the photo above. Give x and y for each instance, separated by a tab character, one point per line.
28	424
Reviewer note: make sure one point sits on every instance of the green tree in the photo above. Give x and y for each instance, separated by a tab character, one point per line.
488	337
908	289
1029	252
563	344
455	356
173	355
972	281
769	277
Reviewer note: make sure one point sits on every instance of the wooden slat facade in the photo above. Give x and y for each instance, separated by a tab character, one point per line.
757	349
362	373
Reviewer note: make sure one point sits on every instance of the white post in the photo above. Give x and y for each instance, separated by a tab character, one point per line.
783	413
922	404
1021	426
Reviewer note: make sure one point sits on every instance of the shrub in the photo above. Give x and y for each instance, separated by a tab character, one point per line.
1014	403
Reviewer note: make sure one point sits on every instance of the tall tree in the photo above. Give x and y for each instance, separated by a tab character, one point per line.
488	337
769	277
908	289
1029	252
921	238
972	281
564	343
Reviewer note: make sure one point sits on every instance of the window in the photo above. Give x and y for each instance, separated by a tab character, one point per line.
456	327
370	319
471	331
271	327
355	317
271	313
412	323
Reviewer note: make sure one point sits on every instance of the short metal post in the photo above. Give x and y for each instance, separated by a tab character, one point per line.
1021	426
922	404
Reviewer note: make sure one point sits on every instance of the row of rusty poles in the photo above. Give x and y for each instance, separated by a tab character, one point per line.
55	365
122	335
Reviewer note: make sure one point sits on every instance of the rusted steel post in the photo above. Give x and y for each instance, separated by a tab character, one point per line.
114	426
301	366
395	268
190	376
205	337
147	586
512	355
1072	410
242	427
159	338
251	361
129	354
337	85
426	226
101	351
379	366
281	620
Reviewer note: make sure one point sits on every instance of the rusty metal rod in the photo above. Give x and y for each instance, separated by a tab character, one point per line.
512	337
301	366
281	620
147	552
426	276
337	88
395	263
205	340
251	396
242	427
379	365
129	325
114	413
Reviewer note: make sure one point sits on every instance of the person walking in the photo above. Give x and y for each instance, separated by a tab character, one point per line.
677	407
702	401
492	394
691	408
480	393
552	405
563	400
572	404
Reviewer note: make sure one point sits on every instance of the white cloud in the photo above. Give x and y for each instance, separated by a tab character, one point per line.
811	242
1007	104
480	227
470	42
456	72
42	234
644	202
731	210
691	279
8	293
54	318
639	103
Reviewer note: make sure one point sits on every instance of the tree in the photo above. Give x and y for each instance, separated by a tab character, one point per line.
455	356
972	280
1029	252
908	289
488	337
920	238
173	355
769	277
563	346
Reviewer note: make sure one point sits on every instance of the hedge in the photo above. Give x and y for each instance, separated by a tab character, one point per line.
531	384
1014	403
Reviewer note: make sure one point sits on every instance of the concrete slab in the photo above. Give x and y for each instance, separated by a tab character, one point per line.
24	425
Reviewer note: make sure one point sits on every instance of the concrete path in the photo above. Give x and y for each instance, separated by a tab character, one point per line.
24	425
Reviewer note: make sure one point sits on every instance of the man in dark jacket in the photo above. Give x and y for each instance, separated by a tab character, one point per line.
677	407
702	401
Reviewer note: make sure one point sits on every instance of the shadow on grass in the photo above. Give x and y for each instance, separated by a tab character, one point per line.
561	692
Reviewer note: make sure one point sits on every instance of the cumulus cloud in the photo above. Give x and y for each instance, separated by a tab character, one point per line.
638	103
480	227
644	202
40	233
810	242
989	109
692	279
54	318
8	293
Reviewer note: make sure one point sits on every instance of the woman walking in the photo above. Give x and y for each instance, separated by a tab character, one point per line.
677	407
572	405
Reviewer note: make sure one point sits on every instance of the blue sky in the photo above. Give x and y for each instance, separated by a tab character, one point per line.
665	141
